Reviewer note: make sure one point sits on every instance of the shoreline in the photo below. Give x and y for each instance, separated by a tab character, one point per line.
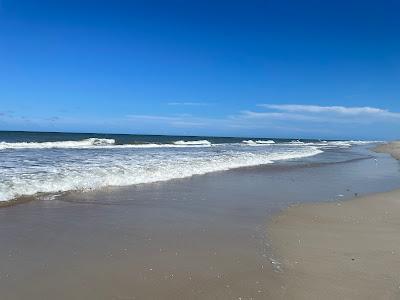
270	166
17	201
345	249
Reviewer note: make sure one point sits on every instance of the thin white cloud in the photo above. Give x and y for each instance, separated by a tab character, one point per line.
313	119
277	113
248	114
339	110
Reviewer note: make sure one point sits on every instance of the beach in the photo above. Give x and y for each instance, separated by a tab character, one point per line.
199	150
202	236
341	250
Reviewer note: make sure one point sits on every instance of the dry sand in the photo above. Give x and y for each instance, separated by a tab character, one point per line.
342	250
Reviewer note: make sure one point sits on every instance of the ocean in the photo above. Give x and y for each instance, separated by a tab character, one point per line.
46	164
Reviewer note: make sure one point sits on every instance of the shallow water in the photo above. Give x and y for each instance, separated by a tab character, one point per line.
35	163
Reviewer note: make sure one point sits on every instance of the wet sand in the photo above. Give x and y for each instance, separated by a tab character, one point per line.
343	250
197	238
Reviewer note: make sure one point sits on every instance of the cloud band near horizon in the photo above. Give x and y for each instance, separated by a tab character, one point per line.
335	121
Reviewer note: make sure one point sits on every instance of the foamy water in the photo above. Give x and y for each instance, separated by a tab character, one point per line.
96	143
258	142
28	168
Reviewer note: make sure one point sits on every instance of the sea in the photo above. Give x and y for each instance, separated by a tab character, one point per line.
48	164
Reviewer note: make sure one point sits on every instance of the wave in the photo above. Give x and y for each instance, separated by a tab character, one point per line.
296	142
177	144
149	146
102	143
85	171
321	144
331	144
96	143
90	142
364	142
193	143
269	142
258	142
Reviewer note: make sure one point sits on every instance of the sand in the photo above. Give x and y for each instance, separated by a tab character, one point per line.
341	250
392	148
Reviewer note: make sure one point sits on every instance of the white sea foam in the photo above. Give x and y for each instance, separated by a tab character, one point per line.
96	143
193	143
330	144
364	142
55	172
297	142
39	170
149	145
258	142
90	142
249	142
269	142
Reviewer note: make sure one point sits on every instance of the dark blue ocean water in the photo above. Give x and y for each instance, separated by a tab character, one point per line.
120	139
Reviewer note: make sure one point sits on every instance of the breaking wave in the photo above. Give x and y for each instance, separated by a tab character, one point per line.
90	142
96	143
193	143
85	170
258	142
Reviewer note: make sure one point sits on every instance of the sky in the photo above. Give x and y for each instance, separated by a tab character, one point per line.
301	69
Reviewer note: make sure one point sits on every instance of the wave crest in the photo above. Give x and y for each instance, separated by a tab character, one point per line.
193	143
258	142
61	144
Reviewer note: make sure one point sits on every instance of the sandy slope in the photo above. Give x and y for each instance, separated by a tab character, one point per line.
346	250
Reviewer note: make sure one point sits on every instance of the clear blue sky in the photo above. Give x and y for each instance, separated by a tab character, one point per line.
328	69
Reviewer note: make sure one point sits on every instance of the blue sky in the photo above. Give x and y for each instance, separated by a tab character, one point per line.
325	69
